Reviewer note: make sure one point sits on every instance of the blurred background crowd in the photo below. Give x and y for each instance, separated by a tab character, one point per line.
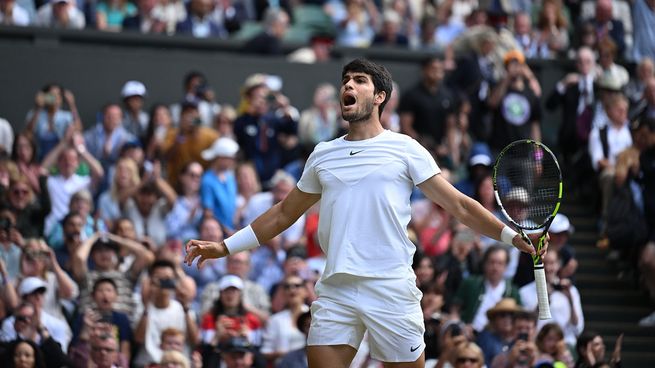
94	214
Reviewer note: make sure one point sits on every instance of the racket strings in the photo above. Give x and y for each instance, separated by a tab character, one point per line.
528	181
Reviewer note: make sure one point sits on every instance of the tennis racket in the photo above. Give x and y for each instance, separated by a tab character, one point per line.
528	188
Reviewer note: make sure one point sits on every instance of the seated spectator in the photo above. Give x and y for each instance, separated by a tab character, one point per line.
32	291
479	293
24	154
24	354
73	228
590	349
11	244
603	155
146	20
269	40
281	334
81	203
467	352
238	353
172	358
499	332
174	341
29	208
523	351
451	334
646	107
135	120
49	122
124	185
67	182
356	23
60	14
460	262
111	13
170	13
255	298
104	251
552	347
218	188
637	86
105	140
297	358
13	14
184	219
559	232
608	68
606	26
565	303
213	269
148	208
199	22
229	318
526	38
390	33
101	350
552	29
247	186
101	311
162	311
39	260
423	267
322	120
198	92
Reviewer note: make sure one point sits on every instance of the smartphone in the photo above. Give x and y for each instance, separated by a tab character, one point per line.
455	330
557	287
522	336
167	283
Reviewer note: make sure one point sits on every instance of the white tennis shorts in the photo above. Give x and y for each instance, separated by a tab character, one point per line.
389	309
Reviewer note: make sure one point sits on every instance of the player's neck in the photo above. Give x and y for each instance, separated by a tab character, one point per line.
361	130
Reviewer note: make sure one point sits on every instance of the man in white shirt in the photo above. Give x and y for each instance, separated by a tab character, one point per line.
364	181
606	143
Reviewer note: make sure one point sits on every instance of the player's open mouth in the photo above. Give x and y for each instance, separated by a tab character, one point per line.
348	100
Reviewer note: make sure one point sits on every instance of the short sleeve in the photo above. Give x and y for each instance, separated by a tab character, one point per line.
421	164
309	182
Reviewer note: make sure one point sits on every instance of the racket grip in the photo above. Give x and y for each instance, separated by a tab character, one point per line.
542	292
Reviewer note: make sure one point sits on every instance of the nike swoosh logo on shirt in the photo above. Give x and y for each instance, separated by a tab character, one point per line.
414	349
352	153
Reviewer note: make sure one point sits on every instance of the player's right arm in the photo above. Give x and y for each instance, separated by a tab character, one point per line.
265	227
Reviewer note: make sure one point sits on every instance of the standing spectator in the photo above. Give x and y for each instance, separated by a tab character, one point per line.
259	131
608	68
49	122
425	108
479	293
218	188
111	13
515	101
162	311
199	22
135	120
145	20
391	33
643	14
198	92
13	14
183	221
269	41
322	120
186	143
105	140
60	14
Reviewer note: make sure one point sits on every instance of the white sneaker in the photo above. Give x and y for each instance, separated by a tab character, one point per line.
648	321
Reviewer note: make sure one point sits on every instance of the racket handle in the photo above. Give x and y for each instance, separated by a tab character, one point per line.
542	292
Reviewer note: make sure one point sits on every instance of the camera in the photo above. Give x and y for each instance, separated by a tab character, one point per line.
455	330
5	224
167	283
558	287
522	336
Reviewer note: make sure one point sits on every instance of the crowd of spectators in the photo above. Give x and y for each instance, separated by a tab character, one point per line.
94	215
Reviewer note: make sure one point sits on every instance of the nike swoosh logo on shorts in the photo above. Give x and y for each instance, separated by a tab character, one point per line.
414	349
352	153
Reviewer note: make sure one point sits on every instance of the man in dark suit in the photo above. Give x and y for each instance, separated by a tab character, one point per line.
269	41
199	23
143	21
606	26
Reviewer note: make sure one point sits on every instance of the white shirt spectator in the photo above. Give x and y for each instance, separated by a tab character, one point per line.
158	321
45	16
57	328
19	16
491	297
61	190
618	139
281	334
6	131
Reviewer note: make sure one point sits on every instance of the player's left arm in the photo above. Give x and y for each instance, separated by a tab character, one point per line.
467	210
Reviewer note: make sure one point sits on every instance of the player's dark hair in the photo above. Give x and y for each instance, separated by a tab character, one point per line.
381	77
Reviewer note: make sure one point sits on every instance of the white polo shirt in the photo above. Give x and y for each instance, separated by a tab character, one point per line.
365	188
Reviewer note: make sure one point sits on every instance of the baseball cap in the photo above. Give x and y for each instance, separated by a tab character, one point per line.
30	285
133	88
222	147
560	224
236	345
514	55
229	281
480	159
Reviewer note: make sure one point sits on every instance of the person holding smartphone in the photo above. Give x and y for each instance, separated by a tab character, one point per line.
523	352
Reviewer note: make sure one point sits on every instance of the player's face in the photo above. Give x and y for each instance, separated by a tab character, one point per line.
357	97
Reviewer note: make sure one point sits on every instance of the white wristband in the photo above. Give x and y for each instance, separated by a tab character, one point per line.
507	235
243	239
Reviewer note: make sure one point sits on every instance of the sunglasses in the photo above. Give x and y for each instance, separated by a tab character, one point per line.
23	319
462	360
289	286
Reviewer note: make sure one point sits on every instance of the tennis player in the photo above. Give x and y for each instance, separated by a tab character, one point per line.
364	180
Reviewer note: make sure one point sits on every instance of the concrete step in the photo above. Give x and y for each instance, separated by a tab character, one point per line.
643	344
616	328
609	313
616	298
607	282
637	359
